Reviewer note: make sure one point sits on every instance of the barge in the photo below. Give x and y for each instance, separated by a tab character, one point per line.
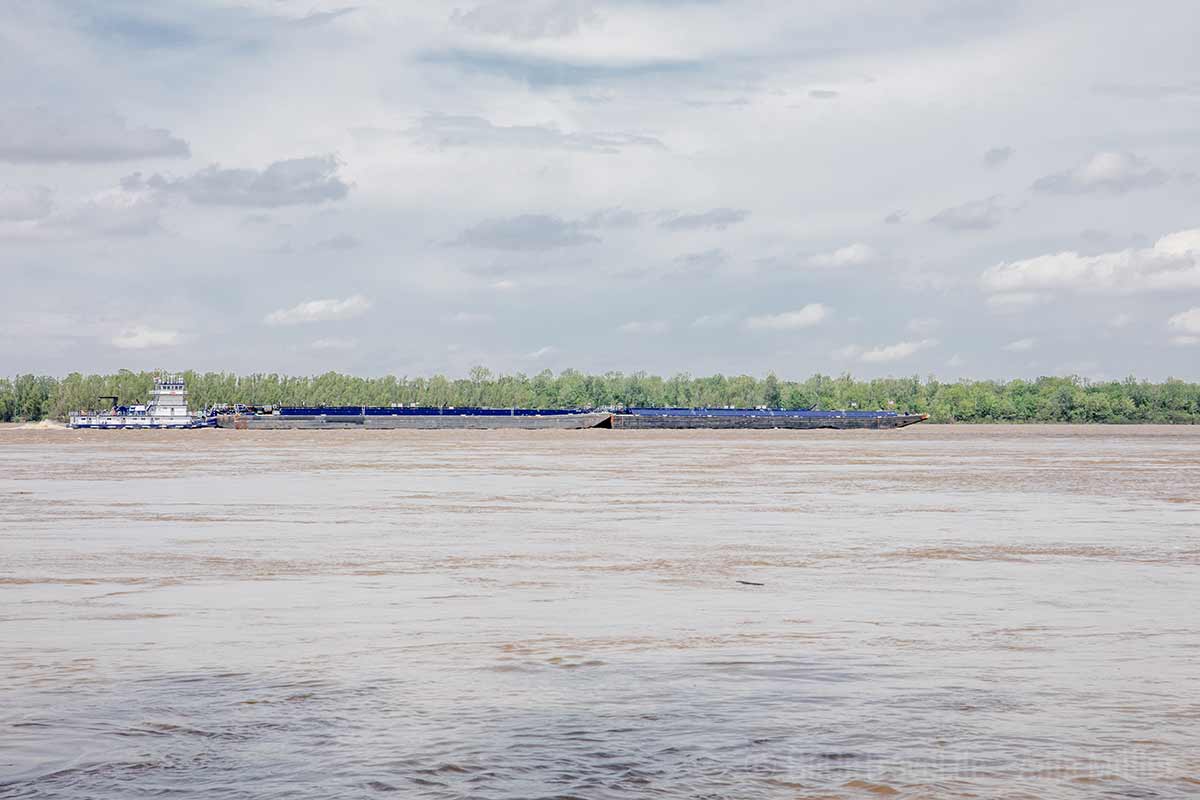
760	419
412	417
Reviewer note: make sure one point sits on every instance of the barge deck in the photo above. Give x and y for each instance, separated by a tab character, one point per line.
434	420
760	419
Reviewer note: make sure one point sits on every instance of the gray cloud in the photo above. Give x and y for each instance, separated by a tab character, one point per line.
151	27
717	219
997	156
823	94
702	263
612	218
39	135
895	218
296	181
543	72
315	19
1113	172
446	130
20	203
733	102
148	31
527	19
534	232
526	232
337	244
976	215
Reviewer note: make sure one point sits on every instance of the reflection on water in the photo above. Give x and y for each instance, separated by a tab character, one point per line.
944	613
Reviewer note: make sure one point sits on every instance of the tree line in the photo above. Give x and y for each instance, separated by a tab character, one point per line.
1046	399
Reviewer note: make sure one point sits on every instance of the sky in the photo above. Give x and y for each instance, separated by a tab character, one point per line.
955	188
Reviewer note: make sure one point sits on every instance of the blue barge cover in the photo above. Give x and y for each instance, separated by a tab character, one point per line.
421	411
758	412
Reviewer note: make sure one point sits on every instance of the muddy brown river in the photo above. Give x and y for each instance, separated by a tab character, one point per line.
934	612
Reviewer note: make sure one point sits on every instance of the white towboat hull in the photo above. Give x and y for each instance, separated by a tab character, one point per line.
121	422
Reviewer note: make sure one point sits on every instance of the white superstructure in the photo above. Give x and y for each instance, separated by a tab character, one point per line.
167	409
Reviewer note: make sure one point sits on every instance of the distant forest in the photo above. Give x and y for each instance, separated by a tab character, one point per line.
1070	399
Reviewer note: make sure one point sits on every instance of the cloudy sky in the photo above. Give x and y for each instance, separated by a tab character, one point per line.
964	188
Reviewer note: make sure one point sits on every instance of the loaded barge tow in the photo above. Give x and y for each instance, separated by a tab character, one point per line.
435	418
418	417
761	419
167	408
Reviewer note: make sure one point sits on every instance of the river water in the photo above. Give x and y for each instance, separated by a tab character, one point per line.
944	612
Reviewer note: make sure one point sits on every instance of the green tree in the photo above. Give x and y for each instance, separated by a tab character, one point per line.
772	397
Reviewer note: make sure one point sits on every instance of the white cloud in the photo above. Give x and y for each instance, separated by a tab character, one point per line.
142	337
718	320
540	353
955	361
319	311
1172	263
1120	320
805	317
1185	341
1020	345
1186	322
1013	302
852	255
1110	172
648	327
883	354
895	352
